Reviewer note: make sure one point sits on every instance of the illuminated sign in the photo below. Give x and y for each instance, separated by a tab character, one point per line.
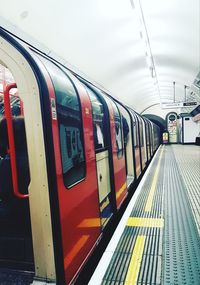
177	105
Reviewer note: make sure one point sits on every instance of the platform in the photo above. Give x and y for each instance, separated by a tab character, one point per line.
158	238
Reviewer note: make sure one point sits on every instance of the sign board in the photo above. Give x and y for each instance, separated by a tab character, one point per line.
189	104
177	105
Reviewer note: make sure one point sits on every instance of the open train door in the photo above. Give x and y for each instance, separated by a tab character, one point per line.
41	262
15	235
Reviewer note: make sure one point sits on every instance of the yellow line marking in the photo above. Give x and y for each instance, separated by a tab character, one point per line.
121	190
153	186
136	259
145	222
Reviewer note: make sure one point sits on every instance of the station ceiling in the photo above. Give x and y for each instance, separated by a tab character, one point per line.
144	52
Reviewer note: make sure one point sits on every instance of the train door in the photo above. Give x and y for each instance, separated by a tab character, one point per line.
75	161
144	133
118	155
136	144
141	142
15	230
151	137
147	139
101	142
127	135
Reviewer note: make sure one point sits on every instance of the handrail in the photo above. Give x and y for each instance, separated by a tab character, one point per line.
11	142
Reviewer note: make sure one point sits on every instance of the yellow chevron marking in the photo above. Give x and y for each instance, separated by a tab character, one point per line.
136	259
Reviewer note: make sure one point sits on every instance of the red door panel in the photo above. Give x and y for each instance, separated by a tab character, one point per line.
118	162
79	204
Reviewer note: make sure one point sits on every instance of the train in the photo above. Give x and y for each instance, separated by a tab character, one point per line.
85	151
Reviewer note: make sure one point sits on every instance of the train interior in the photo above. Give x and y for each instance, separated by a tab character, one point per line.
16	248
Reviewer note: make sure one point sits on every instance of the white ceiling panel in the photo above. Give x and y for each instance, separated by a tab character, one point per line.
134	49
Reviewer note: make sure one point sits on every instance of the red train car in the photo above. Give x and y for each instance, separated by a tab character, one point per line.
84	150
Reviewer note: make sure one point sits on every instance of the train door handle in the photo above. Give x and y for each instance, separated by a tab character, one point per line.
11	141
100	177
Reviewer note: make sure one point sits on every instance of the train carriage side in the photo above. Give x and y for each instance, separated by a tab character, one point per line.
64	202
82	158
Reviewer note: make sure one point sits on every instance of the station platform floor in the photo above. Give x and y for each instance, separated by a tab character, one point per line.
158	238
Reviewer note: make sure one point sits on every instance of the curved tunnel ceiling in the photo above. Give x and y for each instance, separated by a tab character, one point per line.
135	49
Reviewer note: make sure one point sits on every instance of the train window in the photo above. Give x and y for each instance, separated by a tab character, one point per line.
70	126
141	132
118	130
98	121
135	130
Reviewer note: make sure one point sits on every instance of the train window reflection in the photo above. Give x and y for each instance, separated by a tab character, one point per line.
135	130
98	121
118	130
70	126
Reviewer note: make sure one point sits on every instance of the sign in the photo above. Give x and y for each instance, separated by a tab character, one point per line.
189	104
177	105
171	105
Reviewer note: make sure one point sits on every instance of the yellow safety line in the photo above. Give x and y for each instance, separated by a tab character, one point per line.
134	266
145	222
153	186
